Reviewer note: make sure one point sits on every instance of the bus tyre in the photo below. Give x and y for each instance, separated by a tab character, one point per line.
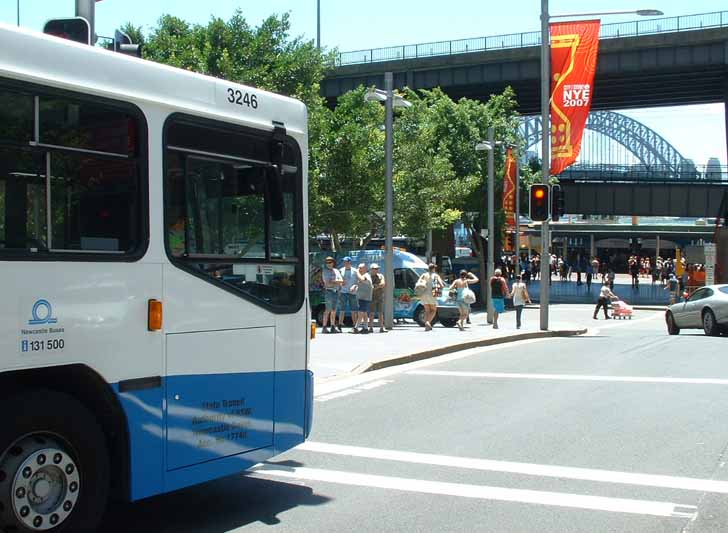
54	465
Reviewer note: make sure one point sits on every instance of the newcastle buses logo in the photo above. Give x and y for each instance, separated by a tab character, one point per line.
42	313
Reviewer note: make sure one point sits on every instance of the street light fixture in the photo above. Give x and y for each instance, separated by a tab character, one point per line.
545	138
391	101
639	12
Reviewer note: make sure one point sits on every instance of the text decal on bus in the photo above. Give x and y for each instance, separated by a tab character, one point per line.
42	332
242	98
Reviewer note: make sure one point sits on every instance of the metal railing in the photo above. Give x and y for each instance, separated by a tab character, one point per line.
716	19
609	172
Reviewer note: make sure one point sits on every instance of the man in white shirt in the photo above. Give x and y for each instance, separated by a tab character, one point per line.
347	296
605	295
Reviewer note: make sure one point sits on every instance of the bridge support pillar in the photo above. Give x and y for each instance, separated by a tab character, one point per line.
592	247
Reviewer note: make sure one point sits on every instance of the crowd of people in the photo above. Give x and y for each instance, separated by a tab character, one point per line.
360	292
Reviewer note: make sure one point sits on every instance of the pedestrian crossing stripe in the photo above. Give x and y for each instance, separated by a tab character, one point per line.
482	492
530	469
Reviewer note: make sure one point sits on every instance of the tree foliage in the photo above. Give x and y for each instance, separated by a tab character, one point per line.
438	175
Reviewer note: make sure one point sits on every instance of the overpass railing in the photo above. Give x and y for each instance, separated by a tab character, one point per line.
609	172
717	19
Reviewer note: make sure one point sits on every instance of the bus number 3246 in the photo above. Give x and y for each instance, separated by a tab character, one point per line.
236	96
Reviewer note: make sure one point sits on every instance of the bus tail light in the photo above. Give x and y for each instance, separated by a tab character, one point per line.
154	319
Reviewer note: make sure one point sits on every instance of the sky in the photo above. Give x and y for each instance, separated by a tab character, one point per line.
698	132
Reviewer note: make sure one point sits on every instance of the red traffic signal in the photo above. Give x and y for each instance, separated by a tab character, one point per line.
539	202
74	29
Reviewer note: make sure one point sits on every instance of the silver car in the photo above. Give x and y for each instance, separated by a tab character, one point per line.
706	308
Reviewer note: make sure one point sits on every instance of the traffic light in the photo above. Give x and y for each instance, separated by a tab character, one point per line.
539	202
123	45
74	29
557	203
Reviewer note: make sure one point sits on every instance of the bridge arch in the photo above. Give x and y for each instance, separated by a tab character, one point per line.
648	146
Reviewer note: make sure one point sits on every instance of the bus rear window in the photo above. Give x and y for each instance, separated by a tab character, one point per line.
76	124
16	117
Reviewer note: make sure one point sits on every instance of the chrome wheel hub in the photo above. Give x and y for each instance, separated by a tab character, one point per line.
46	487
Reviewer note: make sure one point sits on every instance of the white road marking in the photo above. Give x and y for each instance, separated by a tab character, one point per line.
530	469
559	499
348	392
324	388
571	377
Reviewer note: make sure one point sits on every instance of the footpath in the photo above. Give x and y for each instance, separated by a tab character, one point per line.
337	355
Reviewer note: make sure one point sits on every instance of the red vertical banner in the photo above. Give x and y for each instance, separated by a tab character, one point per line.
574	50
509	197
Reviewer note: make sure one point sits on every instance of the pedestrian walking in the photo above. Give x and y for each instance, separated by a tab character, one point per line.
347	293
634	271
605	296
378	285
610	278
498	291
519	293
460	285
429	283
332	281
673	286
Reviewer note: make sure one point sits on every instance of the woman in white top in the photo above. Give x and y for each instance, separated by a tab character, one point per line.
460	285
519	293
433	283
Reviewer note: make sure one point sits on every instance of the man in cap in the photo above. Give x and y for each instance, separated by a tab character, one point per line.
377	298
347	294
332	282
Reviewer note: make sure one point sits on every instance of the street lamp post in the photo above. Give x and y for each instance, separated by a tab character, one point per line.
545	162
318	24
390	102
517	240
489	145
491	220
546	135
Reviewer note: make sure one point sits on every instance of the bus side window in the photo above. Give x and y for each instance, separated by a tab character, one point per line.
82	152
223	223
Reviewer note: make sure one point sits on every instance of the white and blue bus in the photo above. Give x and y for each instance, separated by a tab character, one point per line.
154	324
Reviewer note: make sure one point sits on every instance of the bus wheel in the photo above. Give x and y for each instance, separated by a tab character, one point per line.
54	465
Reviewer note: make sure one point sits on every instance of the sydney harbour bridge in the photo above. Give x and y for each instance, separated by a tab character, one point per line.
617	147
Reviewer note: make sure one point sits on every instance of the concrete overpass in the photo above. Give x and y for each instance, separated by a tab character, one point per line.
657	62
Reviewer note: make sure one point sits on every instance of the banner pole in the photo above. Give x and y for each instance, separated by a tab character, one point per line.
545	162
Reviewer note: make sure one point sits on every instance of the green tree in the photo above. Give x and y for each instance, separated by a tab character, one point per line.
430	184
265	56
346	186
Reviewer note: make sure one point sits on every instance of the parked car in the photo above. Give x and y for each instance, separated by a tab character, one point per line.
706	308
